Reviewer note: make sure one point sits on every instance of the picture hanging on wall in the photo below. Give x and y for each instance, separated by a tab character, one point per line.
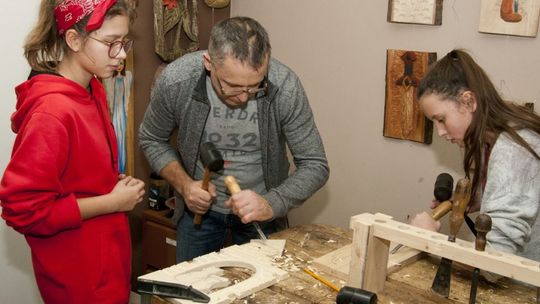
176	28
119	89
509	17
428	12
403	118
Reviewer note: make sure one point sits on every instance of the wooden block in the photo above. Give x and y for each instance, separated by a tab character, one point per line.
369	228
337	262
250	256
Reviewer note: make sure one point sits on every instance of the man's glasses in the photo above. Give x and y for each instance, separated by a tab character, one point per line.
230	92
115	47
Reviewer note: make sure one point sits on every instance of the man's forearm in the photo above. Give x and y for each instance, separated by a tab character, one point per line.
175	175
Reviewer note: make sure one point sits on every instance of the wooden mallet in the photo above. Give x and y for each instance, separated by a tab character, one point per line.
212	162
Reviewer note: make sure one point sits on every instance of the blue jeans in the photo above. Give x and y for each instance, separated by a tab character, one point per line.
216	229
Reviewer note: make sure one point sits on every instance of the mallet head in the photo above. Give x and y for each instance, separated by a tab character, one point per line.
210	157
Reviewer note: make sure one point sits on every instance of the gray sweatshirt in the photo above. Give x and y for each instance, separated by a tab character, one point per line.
179	100
512	196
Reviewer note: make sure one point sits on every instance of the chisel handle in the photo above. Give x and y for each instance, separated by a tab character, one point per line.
234	188
232	185
462	196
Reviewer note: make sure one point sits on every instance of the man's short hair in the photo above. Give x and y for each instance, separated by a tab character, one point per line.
242	38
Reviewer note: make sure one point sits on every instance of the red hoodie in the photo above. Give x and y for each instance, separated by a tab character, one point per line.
66	149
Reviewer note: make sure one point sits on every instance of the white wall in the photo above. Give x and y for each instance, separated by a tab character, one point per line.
338	48
17	284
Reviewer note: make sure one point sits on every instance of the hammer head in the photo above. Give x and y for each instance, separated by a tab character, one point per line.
444	185
210	157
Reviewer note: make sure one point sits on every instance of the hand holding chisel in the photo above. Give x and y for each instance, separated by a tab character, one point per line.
234	188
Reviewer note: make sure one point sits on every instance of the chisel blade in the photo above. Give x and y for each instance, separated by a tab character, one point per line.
441	282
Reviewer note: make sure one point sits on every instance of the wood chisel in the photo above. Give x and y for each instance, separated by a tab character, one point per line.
462	196
483	226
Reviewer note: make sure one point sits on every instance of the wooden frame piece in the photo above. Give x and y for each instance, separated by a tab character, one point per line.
372	236
338	261
427	12
254	256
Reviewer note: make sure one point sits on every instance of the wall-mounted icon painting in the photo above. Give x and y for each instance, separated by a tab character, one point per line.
509	17
403	118
428	12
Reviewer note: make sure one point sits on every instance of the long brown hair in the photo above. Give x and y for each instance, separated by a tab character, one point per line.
458	72
44	48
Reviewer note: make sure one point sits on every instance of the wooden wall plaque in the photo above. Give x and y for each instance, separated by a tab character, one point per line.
403	118
427	12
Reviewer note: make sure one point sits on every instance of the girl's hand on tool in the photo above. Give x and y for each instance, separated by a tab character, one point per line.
426	221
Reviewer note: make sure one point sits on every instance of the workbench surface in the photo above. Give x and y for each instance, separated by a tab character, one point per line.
410	284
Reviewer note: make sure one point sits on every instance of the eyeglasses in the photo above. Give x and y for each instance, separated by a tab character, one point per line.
115	47
261	87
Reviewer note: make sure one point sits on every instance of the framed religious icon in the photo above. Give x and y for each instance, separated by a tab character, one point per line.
403	118
509	17
119	89
428	12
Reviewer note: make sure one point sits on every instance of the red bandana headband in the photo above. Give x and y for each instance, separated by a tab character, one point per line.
70	12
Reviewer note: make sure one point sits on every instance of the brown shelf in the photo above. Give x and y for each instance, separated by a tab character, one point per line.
158	241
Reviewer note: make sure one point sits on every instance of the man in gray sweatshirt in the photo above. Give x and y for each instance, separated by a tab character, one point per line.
251	107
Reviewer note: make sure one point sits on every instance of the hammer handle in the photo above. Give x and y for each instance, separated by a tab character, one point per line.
197	219
441	210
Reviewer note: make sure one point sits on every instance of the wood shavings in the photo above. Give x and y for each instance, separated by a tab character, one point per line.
307	236
286	262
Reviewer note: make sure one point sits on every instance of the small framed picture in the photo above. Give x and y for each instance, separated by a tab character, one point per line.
509	17
428	12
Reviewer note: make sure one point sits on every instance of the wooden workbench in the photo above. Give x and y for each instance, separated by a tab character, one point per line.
410	284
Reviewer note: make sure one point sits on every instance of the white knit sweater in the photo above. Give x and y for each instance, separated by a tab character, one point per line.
512	196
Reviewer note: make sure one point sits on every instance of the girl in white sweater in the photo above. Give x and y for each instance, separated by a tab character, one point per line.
501	142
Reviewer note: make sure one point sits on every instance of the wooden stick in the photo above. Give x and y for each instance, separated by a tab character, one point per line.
321	279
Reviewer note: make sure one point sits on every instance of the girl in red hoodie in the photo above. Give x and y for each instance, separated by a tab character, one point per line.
62	189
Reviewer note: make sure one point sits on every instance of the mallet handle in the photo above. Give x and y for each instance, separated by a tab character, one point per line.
197	219
441	210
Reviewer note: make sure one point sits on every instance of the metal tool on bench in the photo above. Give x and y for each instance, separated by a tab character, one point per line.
444	185
462	196
170	290
483	226
233	187
212	162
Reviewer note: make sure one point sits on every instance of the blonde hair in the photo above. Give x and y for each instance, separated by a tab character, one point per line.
44	48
